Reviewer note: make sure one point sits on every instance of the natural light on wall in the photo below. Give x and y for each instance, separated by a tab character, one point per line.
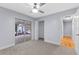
67	41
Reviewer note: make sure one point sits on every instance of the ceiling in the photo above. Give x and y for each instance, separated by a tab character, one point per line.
20	21
48	8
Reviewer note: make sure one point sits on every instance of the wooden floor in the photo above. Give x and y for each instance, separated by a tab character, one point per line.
37	47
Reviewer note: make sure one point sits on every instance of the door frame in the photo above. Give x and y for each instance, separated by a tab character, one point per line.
38	29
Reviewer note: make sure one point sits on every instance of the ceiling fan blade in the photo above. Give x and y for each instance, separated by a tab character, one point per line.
41	11
41	4
35	3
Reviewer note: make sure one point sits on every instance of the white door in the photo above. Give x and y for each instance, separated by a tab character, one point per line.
75	28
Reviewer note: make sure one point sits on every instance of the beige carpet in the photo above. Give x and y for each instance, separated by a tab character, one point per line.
37	48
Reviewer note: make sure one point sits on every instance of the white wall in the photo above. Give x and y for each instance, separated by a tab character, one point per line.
53	26
33	29
75	29
7	27
36	30
52	30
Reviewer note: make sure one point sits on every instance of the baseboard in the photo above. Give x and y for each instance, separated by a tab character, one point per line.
51	42
77	52
7	46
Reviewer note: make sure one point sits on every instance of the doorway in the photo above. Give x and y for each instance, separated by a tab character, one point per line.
67	39
22	30
41	30
67	27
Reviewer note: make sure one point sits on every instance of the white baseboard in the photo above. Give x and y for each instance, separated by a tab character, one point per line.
77	52
52	42
7	46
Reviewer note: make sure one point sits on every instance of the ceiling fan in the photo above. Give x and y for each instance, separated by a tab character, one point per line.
36	6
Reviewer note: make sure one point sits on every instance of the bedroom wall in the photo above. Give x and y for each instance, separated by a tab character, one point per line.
36	30
53	26
7	27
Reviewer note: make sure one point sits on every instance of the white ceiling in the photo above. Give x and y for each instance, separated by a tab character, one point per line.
48	8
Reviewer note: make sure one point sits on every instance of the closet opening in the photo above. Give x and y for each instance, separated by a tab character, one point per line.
41	30
67	40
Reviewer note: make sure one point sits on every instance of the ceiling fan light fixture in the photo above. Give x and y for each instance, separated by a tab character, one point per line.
35	10
38	5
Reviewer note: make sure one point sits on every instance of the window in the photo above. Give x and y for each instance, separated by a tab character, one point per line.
22	27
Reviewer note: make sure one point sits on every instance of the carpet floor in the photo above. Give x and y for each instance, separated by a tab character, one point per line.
37	47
